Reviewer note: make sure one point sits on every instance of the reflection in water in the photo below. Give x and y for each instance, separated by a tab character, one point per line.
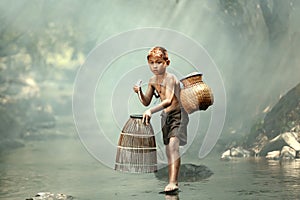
187	173
272	179
172	197
286	172
69	169
13	182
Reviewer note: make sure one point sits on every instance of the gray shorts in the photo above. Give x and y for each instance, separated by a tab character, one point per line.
174	124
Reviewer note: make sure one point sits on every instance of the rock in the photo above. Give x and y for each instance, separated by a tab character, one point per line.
287	153
284	115
282	118
297	155
291	139
273	155
50	196
239	152
235	152
187	173
296	129
258	145
277	143
226	155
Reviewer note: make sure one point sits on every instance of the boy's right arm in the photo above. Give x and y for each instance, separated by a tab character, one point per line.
144	98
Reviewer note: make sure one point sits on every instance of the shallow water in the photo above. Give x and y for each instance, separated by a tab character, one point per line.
64	166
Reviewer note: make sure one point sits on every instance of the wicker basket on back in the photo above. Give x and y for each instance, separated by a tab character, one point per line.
195	94
136	147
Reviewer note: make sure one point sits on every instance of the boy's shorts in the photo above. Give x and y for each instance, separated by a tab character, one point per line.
174	124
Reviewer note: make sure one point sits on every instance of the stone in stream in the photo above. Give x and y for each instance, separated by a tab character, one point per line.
50	196
273	155
235	152
285	139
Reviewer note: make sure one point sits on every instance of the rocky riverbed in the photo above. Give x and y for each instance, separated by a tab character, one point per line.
277	136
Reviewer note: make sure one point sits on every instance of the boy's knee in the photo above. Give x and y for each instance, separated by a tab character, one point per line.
174	143
174	140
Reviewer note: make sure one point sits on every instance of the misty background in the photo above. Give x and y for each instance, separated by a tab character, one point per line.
254	44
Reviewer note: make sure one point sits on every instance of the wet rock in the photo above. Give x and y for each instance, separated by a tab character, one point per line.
297	155
50	196
273	155
239	152
296	129
259	144
284	115
277	143
285	146
287	153
187	173
282	120
226	156
236	152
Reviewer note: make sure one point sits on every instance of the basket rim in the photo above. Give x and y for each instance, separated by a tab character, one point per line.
192	75
137	116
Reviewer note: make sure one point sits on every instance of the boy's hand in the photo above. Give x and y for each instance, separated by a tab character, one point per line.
137	86
147	116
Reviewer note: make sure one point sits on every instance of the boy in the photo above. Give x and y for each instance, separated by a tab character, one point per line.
174	119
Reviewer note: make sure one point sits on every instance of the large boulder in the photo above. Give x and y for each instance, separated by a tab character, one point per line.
280	127
286	153
284	115
273	155
285	139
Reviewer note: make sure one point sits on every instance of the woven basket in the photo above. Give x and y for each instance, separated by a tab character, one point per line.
136	147
195	94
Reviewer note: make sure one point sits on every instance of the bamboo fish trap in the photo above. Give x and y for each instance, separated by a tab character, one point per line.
136	147
195	94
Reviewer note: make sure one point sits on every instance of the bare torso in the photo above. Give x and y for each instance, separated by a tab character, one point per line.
168	82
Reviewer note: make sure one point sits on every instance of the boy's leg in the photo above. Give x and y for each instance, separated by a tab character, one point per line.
172	151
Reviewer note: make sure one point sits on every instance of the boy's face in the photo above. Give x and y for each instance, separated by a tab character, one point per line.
157	65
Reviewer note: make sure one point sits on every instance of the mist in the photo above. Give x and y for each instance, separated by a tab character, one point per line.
254	44
46	46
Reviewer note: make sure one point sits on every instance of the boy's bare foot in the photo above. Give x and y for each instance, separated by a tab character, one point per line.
171	187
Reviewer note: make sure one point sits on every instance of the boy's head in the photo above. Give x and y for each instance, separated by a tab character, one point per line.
159	52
